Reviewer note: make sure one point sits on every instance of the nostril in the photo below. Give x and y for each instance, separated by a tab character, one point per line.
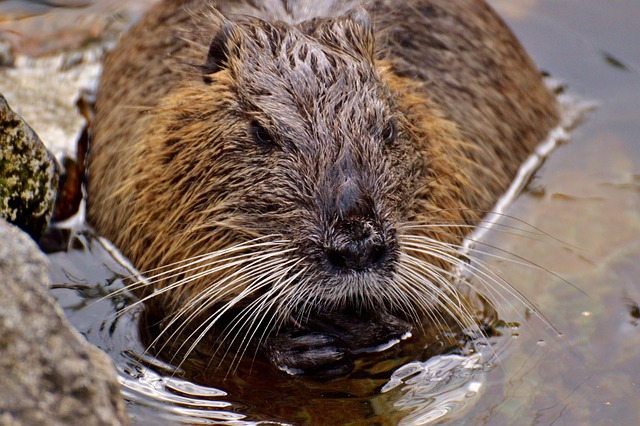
336	258
356	256
377	254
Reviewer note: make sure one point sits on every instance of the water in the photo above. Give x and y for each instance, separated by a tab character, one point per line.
196	393
586	200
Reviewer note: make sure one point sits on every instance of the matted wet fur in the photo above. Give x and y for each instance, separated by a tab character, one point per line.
276	165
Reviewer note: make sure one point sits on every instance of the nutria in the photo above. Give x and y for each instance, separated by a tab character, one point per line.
284	169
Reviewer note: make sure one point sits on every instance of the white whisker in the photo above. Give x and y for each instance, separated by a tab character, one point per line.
263	303
214	294
224	286
488	277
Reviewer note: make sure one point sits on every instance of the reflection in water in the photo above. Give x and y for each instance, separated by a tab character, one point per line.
436	388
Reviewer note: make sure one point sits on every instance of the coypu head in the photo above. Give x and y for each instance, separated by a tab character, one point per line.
292	165
321	149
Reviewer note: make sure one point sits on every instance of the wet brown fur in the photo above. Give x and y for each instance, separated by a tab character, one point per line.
470	106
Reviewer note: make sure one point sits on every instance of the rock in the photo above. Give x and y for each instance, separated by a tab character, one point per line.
50	375
28	174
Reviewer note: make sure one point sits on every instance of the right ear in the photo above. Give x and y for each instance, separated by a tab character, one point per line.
218	53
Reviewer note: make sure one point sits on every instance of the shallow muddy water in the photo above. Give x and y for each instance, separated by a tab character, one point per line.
577	223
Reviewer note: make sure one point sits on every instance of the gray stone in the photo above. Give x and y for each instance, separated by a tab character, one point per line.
28	174
49	374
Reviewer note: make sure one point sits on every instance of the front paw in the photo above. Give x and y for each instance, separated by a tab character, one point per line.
326	345
309	353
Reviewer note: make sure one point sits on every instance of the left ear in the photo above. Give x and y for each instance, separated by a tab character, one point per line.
218	53
221	50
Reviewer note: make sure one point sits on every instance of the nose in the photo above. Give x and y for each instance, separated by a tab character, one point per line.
357	241
358	246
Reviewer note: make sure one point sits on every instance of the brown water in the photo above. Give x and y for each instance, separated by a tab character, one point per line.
586	198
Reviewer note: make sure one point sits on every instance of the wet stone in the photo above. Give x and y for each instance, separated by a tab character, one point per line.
28	174
50	374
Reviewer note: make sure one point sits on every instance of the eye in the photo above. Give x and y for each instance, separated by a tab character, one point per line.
389	133
262	136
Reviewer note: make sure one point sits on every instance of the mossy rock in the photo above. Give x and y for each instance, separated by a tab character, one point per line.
28	174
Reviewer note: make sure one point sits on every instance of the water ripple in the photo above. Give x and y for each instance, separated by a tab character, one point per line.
442	386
